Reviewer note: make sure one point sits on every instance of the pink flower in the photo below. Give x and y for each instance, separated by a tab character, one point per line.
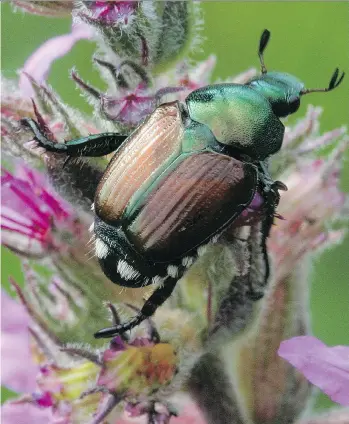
39	63
77	379
18	370
33	220
134	106
150	365
69	394
112	12
129	109
24	413
325	367
130	105
306	209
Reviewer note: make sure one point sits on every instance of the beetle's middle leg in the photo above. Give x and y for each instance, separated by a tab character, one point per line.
93	145
251	276
150	306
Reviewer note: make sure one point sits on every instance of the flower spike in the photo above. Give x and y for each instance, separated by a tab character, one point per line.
216	339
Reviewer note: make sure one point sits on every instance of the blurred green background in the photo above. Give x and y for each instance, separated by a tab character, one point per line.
309	39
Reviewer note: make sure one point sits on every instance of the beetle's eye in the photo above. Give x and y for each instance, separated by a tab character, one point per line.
294	103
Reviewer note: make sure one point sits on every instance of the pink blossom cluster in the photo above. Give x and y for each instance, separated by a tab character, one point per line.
173	369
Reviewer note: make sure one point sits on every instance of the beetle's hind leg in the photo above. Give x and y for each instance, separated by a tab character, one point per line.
93	145
159	296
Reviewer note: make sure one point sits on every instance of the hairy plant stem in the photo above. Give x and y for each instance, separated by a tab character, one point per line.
213	392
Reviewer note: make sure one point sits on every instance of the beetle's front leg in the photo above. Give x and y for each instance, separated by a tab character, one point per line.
93	145
159	296
268	183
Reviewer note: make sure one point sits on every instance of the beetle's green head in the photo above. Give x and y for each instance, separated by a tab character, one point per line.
282	90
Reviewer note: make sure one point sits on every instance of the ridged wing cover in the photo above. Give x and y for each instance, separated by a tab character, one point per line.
198	198
169	193
139	161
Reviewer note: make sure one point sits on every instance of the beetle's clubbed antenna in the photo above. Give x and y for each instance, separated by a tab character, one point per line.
262	45
334	83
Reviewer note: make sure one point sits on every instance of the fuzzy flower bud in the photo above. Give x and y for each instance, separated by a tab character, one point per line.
46	8
149	33
141	374
271	389
131	104
113	13
306	209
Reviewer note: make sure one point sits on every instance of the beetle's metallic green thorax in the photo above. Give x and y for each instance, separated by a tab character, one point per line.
238	116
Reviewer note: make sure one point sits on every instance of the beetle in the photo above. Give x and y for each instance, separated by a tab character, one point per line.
180	179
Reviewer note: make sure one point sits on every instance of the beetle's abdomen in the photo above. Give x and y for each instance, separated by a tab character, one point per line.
196	199
143	156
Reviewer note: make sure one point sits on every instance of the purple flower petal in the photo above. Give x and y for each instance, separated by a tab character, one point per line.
133	106
130	109
24	413
325	367
30	214
38	65
45	399
117	344
18	371
113	12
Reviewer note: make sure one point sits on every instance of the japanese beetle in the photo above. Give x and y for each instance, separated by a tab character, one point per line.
183	177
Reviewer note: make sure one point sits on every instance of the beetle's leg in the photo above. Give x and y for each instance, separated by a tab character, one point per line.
265	177
270	188
259	271
257	242
150	306
152	330
251	275
93	145
236	303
